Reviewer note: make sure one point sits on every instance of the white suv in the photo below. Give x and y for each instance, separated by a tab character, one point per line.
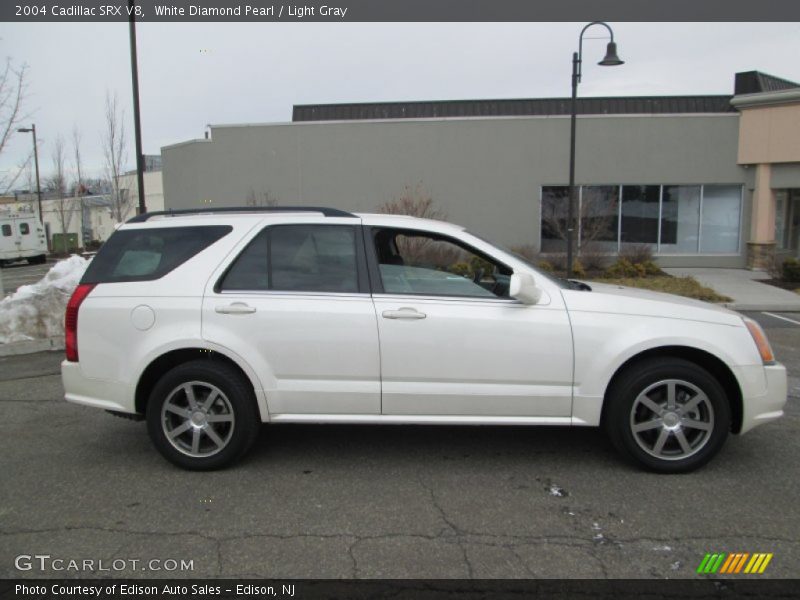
209	323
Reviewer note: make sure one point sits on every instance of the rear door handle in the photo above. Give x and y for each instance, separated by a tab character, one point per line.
404	313
236	308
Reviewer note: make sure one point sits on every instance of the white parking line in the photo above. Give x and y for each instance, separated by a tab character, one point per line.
781	318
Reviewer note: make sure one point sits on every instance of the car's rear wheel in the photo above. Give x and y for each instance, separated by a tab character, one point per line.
202	415
668	414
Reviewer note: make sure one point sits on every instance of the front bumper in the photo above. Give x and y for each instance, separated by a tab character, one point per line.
99	393
767	405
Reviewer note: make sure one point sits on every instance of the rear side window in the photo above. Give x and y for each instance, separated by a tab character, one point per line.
6	230
148	254
24	229
297	258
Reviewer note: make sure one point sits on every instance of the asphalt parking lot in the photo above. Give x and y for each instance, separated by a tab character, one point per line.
369	502
21	273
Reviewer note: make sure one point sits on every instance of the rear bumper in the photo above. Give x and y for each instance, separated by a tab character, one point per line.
767	405
99	393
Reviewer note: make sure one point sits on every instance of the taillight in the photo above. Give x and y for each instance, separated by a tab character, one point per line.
71	320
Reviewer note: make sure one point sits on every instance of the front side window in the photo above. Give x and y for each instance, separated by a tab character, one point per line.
415	262
24	228
6	230
297	258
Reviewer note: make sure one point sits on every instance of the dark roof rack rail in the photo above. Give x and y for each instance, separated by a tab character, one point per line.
328	212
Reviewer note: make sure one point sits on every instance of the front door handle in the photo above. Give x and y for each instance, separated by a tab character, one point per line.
404	313
236	308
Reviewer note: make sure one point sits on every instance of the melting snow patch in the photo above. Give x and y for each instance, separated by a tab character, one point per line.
37	311
557	491
662	548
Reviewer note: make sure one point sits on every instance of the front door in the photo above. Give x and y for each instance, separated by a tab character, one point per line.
453	342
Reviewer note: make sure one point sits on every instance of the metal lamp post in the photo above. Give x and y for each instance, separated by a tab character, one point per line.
611	60
32	129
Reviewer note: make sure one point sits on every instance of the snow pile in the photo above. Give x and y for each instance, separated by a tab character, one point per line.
37	311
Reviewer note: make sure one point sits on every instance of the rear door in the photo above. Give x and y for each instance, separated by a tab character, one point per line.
31	236
295	304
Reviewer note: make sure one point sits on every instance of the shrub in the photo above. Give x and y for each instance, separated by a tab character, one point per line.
593	258
578	270
547	266
625	268
637	253
791	269
461	268
526	251
651	268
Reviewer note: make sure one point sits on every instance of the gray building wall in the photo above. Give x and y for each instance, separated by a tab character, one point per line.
485	174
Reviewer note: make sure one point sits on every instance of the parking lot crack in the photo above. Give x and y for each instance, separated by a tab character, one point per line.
455	529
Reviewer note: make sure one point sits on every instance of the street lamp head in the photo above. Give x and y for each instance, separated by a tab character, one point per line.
24	130
611	59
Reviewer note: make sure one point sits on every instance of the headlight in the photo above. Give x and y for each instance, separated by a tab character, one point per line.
760	338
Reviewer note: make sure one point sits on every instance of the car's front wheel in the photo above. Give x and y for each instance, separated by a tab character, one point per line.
668	414
202	415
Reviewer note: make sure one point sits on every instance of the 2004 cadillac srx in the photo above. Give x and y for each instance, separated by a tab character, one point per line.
208	323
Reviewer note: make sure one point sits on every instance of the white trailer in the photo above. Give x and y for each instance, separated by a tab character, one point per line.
22	237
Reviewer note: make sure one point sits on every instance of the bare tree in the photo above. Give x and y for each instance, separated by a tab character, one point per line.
597	219
76	156
413	201
416	202
263	198
115	153
13	88
65	206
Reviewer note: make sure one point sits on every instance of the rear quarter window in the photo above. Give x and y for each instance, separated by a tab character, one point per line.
149	254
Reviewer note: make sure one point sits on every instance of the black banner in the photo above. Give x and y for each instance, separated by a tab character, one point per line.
398	10
219	589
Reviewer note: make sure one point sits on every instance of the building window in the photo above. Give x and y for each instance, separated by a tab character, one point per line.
673	219
640	209
680	219
555	199
599	225
719	222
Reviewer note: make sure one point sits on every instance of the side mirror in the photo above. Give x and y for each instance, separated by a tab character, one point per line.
524	288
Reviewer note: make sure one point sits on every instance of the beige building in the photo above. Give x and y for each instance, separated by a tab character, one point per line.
769	144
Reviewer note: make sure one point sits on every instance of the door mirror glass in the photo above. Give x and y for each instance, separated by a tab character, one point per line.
524	288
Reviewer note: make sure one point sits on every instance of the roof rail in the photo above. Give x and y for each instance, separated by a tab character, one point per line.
328	212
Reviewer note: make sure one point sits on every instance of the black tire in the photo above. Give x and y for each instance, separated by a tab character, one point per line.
37	260
234	408
691	437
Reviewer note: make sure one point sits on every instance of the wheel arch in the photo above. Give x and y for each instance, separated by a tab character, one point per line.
711	363
173	358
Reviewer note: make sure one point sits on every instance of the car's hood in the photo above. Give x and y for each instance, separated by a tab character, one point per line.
617	299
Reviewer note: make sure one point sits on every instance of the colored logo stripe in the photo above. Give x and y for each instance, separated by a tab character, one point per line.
721	562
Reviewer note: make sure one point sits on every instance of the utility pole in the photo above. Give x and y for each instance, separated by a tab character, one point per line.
137	122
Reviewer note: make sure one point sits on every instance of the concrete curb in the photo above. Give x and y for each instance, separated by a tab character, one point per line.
789	307
32	346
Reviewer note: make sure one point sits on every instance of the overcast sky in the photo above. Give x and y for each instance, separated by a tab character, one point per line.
194	74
